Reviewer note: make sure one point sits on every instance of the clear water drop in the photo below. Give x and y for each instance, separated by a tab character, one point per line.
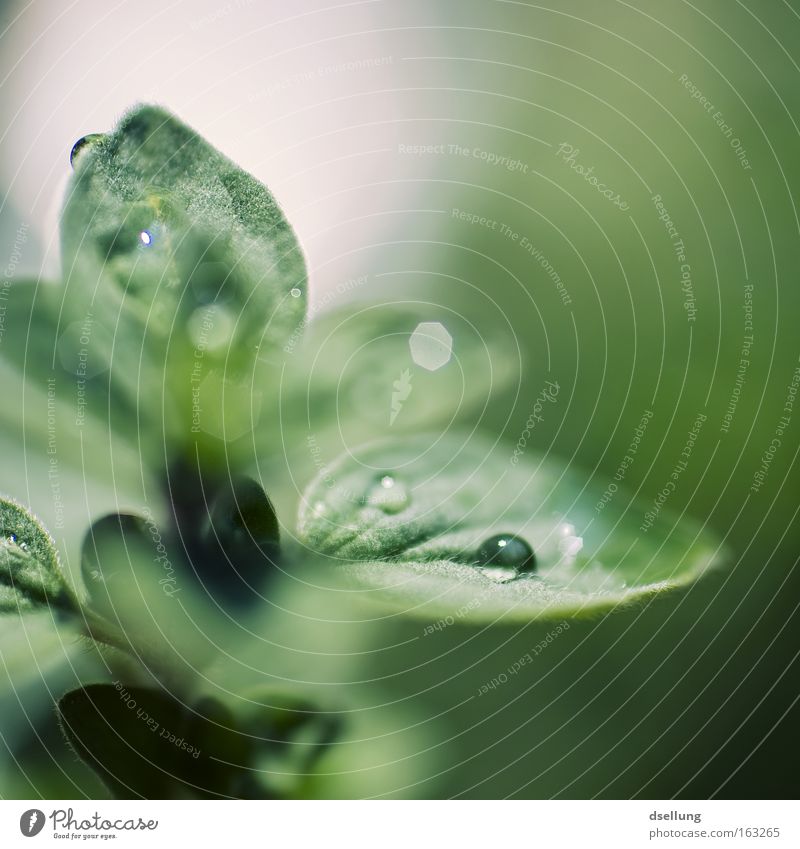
504	557
295	293
389	495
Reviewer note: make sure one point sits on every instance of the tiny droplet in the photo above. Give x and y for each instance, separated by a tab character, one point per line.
388	495
82	142
505	557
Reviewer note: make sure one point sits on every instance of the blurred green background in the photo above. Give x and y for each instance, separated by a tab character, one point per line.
376	124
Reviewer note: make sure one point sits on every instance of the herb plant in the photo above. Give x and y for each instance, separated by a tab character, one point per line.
186	284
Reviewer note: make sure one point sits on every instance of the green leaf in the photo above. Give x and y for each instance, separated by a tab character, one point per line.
30	573
408	519
146	744
119	566
180	270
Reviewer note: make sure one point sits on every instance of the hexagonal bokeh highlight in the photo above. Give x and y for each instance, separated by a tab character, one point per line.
431	345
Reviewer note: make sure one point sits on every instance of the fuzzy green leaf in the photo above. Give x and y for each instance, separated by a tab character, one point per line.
133	737
180	271
417	541
30	574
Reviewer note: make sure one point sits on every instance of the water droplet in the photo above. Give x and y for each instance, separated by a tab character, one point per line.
505	557
388	495
81	144
295	293
211	327
146	237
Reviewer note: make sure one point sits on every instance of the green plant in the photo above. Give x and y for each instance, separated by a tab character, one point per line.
184	276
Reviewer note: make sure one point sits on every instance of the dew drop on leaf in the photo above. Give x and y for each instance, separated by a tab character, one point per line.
505	557
388	494
82	143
